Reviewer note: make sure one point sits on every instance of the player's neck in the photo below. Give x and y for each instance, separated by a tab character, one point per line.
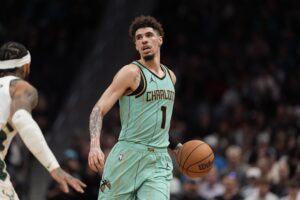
153	65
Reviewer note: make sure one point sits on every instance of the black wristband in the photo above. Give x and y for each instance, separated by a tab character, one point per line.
173	143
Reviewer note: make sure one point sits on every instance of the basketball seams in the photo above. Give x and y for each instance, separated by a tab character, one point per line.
191	153
200	160
207	169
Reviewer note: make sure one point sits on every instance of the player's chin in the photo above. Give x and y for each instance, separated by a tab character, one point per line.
148	57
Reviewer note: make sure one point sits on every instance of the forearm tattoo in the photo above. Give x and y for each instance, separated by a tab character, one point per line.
95	127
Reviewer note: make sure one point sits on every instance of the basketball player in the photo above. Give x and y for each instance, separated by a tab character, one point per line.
17	99
138	166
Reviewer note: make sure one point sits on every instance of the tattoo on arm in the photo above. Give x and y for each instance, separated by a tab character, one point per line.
137	79
24	97
95	127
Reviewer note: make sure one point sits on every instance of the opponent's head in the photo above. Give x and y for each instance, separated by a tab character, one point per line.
14	60
147	34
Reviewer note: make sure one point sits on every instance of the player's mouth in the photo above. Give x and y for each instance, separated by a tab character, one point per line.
146	49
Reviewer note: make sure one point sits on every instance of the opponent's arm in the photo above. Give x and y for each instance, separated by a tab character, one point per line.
125	81
24	99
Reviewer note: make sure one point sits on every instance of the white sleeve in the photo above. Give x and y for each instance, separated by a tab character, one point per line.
33	138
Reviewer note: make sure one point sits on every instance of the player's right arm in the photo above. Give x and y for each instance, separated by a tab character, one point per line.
24	99
124	82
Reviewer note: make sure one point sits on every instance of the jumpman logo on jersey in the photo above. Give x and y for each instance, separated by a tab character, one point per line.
152	80
1	85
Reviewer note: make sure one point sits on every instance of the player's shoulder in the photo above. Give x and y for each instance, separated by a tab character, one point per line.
130	70
172	74
20	85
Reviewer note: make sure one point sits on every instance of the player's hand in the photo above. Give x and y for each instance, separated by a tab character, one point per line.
65	180
96	159
177	149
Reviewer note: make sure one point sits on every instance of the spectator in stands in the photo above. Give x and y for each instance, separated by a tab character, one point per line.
211	186
263	191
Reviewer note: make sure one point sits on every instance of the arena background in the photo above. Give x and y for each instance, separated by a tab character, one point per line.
237	66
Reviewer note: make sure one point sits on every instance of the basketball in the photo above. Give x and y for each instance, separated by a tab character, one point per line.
195	158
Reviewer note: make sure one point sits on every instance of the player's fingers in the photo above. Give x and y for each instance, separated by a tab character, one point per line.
92	165
99	163
98	166
77	187
82	184
79	182
64	186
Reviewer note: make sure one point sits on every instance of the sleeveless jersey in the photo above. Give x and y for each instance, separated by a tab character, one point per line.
6	131
145	117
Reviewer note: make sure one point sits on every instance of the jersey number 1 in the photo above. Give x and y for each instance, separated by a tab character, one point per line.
164	113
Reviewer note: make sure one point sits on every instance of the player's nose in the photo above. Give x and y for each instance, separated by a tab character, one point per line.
144	40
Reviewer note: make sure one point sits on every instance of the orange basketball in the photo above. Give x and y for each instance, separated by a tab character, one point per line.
195	158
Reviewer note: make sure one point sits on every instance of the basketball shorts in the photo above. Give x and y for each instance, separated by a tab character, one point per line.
136	172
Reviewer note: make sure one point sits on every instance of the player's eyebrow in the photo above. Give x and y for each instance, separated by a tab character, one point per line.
148	33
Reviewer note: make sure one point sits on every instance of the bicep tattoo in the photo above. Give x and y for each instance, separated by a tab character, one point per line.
26	98
137	79
95	126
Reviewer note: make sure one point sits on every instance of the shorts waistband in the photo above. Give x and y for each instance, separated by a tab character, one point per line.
142	147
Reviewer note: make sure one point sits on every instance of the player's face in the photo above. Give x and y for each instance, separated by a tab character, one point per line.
147	42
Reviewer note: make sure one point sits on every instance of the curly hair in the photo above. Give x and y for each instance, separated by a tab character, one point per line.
143	22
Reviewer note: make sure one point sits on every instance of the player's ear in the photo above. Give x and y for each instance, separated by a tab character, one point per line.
136	46
160	40
27	68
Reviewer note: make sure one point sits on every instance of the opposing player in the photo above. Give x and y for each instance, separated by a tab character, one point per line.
18	99
138	166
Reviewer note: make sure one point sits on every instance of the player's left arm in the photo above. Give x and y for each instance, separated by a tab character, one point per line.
173	76
24	99
126	80
174	144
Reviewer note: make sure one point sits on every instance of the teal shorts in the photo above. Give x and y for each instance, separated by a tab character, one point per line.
136	172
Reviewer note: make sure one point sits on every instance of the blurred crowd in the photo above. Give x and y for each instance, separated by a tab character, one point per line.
238	69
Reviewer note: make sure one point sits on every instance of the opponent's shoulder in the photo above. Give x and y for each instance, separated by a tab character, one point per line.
21	90
20	85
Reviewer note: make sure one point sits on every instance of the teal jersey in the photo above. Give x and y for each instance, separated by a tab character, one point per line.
146	113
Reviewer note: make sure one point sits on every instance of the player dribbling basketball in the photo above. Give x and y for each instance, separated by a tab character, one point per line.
138	166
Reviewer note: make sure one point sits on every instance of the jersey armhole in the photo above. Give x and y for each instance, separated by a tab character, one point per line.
167	69
141	88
